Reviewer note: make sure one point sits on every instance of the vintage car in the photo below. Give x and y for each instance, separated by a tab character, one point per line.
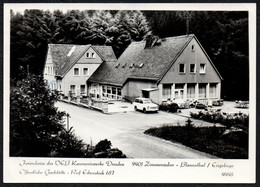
145	105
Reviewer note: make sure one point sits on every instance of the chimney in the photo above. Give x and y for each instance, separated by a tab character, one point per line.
150	41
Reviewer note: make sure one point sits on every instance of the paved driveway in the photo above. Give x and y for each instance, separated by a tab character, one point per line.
125	131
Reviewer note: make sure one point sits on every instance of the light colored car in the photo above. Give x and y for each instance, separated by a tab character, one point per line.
145	105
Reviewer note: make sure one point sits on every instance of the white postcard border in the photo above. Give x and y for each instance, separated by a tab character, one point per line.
244	170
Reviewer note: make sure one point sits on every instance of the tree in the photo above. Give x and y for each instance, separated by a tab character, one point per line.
99	26
224	36
72	28
16	50
34	121
37	129
30	35
138	26
166	23
126	26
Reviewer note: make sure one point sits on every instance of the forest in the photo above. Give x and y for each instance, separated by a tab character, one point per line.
223	34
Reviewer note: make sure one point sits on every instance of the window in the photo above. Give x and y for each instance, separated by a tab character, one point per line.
192	48
179	90
76	71
113	90
90	55
104	89
202	68
119	91
109	90
72	88
182	68
192	68
191	91
167	91
85	71
213	90
82	88
202	90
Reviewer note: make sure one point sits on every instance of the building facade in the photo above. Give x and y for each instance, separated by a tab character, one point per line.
175	68
68	67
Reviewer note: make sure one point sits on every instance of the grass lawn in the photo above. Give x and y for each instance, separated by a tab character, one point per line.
206	139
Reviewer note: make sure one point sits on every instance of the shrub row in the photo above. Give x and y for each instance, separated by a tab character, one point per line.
229	120
212	140
70	146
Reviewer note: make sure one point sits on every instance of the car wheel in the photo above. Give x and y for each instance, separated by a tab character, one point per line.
135	108
144	110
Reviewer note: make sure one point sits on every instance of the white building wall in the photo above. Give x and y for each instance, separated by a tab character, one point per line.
49	73
77	80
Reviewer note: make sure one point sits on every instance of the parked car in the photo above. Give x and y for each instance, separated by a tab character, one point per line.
200	105
145	105
169	107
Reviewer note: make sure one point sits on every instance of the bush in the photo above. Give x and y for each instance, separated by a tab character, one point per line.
103	145
236	137
238	119
68	145
189	123
207	139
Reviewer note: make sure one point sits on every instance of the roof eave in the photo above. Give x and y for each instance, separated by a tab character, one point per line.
104	82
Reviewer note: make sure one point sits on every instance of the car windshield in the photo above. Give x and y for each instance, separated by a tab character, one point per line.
147	101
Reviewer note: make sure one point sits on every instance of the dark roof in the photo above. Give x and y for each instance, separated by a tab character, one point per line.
63	62
138	62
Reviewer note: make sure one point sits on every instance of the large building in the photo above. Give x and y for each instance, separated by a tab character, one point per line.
175	68
68	67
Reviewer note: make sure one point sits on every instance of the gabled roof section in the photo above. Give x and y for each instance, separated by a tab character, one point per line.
209	58
138	62
105	52
66	55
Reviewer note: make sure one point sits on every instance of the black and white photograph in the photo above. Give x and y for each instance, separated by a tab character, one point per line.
159	89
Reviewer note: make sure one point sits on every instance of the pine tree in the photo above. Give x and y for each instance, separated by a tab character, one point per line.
30	38
34	121
100	22
126	26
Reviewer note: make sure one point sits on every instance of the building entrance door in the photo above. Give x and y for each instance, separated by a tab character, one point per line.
145	94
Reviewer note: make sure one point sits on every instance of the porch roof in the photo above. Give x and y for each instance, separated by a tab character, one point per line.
150	89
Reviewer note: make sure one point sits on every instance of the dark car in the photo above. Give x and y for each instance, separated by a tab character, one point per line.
200	106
